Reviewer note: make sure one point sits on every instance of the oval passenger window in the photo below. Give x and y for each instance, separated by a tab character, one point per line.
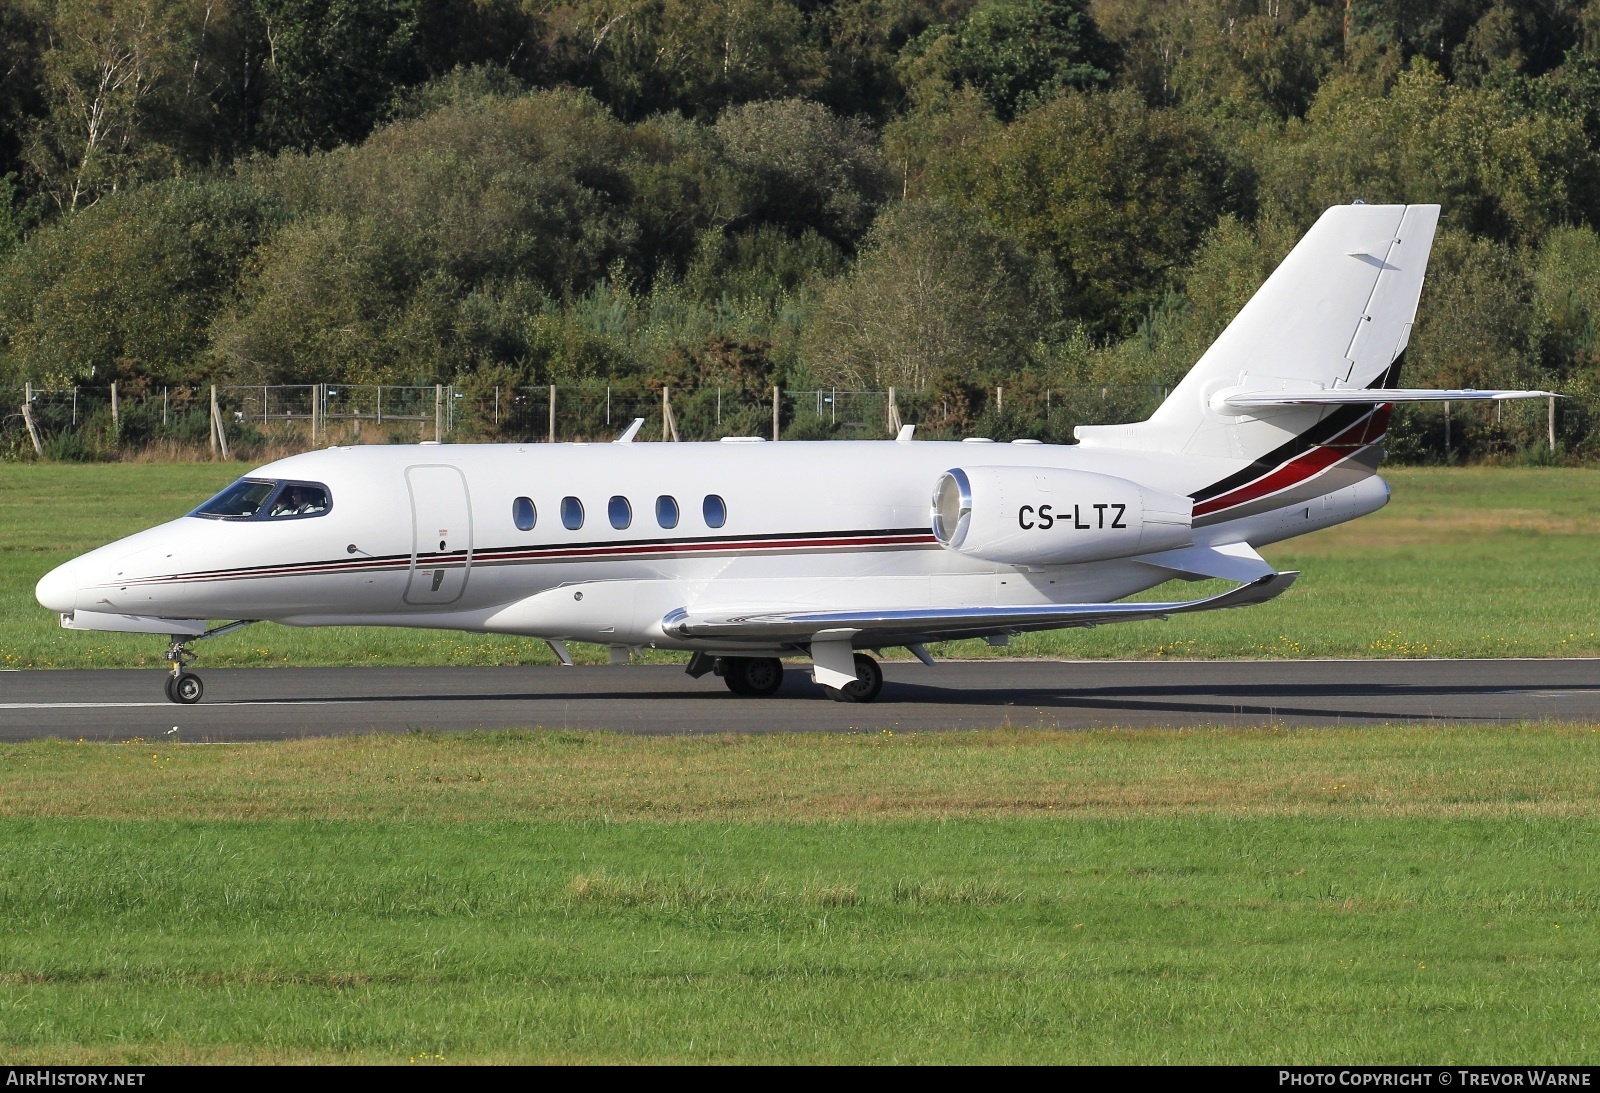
571	513
667	511
620	512
524	514
716	512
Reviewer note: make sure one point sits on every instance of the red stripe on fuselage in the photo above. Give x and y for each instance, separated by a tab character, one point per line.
545	554
1307	465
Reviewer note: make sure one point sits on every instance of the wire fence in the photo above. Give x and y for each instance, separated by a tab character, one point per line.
86	423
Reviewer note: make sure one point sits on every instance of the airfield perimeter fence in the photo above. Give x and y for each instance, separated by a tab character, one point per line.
89	423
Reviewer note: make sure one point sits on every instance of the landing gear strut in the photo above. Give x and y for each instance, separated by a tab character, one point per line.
183	686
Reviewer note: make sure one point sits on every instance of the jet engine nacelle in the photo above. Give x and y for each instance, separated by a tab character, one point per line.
1042	516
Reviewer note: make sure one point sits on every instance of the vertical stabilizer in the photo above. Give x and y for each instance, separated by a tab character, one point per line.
1334	315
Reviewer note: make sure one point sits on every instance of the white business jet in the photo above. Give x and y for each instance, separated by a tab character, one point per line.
744	552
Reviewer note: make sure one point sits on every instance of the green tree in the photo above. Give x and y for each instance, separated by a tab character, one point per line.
1016	53
693	56
330	67
1248	58
104	68
128	288
936	291
1499	167
802	167
1116	195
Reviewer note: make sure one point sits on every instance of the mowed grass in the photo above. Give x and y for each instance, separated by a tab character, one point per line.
1462	563
1380	895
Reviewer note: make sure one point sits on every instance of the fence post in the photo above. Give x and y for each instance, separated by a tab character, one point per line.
775	412
75	406
669	424
894	414
116	413
163	405
219	433
27	418
1447	431
1000	400
438	412
1552	424
316	402
552	413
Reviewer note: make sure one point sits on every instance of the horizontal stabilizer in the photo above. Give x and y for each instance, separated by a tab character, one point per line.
1247	400
1230	562
899	626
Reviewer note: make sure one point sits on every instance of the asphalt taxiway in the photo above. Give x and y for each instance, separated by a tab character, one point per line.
279	703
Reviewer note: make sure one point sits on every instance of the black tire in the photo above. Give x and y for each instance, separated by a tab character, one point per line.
869	681
762	676
186	689
171	679
733	674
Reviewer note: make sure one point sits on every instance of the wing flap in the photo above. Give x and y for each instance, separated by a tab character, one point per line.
901	625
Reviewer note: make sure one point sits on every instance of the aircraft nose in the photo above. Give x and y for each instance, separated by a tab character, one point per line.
58	589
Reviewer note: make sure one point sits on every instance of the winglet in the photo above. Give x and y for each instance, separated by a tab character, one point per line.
630	432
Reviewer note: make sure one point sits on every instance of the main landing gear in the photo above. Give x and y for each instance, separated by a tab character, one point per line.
757	677
869	681
183	686
752	677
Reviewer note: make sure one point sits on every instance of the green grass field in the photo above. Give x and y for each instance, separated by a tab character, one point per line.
1475	562
1376	895
1396	894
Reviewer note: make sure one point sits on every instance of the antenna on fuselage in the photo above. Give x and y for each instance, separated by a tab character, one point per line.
630	432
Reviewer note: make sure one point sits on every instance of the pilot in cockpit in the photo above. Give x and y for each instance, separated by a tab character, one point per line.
299	501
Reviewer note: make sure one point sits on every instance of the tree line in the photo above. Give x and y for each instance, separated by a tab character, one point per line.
939	195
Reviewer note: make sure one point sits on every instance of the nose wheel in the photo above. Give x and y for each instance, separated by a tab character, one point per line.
185	688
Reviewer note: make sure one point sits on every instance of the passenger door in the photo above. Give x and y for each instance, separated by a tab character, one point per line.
441	535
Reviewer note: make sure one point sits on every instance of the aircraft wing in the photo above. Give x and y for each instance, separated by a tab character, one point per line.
901	626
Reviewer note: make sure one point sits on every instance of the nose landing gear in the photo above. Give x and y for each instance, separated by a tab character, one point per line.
183	686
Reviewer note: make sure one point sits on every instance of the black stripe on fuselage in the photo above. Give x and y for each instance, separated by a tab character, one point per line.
1329	427
624	547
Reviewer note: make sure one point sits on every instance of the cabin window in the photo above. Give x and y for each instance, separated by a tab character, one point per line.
239	501
571	513
299	499
716	511
524	514
667	511
620	512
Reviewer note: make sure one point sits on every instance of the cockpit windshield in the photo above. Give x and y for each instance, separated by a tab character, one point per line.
299	499
256	498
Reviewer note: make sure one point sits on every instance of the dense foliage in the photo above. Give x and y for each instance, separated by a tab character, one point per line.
943	195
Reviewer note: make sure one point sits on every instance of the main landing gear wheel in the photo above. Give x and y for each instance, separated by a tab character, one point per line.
869	681
185	688
753	677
